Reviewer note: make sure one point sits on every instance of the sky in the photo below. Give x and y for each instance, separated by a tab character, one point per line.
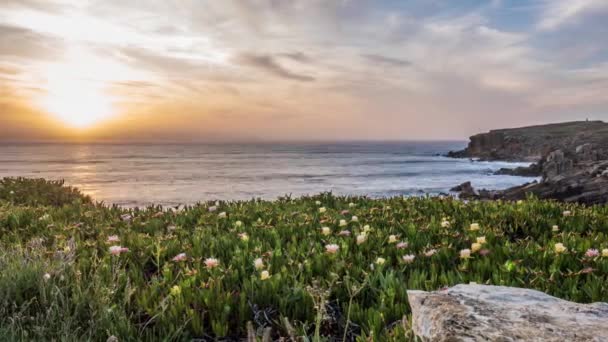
275	70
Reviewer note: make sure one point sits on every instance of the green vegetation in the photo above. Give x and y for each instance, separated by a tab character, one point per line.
66	273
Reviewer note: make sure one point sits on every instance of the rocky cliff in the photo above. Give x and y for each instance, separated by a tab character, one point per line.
571	158
533	142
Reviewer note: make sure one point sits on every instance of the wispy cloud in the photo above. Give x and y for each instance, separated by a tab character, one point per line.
270	65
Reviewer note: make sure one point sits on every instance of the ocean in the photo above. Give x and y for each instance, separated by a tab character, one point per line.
171	174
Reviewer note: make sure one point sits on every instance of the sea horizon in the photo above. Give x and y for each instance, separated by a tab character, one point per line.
141	174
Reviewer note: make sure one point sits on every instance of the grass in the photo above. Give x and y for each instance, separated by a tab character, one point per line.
60	281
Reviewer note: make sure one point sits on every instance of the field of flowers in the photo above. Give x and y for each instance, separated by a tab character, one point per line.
320	268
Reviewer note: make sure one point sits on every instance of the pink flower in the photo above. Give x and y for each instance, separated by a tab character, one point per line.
212	262
113	238
592	253
116	250
344	212
332	249
484	252
344	233
402	245
408	259
180	257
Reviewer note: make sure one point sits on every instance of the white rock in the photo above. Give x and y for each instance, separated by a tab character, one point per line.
499	313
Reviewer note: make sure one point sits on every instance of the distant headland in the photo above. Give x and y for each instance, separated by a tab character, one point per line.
571	158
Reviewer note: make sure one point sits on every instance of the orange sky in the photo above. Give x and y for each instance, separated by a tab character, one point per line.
302	70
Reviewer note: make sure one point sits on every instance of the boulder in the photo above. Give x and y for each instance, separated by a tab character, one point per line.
465	190
499	313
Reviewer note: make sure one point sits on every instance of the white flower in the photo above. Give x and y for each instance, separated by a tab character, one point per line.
343	223
605	252
351	205
46	276
430	252
180	257
238	223
325	231
520	202
264	275
366	228
481	240
222	214
409	258
465	253
344	233
445	224
555	228
354	219
361	238
560	248
402	245
322	210
258	263
567	213
212	208
392	239
244	237
475	247
332	248
11	192
318	202
474	226
126	217
211	262
380	261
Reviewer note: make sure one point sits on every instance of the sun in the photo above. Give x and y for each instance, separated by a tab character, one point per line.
76	103
75	89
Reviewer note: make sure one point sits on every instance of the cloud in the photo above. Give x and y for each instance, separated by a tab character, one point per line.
17	42
386	61
561	12
269	64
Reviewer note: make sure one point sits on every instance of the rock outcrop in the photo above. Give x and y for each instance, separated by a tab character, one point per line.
499	313
572	159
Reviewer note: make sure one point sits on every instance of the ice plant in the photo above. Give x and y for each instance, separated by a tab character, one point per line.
176	290
402	245
344	233
322	210
222	214
475	247
481	240
180	257
445	224
264	275
567	213
211	263
555	228
343	223
46	276
592	253
258	263
325	231
244	237
430	252
392	239
116	250
318	202
238	223
474	226
380	261
361	238
354	219
465	253
113	238
605	252
332	248
366	228
560	248
408	259
351	205
212	209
